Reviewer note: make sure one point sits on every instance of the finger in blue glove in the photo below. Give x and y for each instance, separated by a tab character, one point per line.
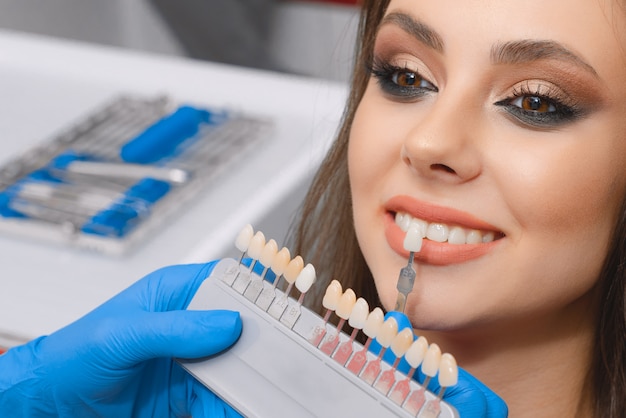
117	360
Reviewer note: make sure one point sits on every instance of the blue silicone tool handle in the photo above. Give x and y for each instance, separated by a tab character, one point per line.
122	217
161	139
6	197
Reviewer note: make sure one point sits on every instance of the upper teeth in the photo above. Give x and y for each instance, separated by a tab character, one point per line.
440	232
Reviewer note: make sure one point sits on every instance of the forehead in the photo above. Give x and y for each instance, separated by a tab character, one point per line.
595	30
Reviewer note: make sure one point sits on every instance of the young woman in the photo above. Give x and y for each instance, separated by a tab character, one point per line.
496	126
499	128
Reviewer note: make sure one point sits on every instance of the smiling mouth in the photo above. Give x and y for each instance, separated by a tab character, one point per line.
442	232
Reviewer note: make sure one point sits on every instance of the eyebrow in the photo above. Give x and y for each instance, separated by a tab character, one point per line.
513	52
527	50
415	28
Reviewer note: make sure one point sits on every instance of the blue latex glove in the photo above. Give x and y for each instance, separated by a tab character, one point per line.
117	360
469	396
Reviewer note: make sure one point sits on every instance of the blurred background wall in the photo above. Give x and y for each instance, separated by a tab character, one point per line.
312	38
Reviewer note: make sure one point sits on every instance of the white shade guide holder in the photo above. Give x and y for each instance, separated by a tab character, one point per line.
269	372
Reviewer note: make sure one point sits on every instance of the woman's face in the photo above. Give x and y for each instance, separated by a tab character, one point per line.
502	125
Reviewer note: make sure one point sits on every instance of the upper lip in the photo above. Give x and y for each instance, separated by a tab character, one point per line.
438	214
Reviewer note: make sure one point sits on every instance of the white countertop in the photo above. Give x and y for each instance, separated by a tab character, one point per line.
47	83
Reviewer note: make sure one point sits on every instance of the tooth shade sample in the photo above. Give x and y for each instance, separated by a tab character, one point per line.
448	371
413	239
269	253
306	278
257	243
402	342
243	239
332	295
430	366
346	303
416	352
387	332
293	269
359	313
280	261
374	321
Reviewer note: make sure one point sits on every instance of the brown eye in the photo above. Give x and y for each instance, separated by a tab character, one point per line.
401	83
535	104
406	79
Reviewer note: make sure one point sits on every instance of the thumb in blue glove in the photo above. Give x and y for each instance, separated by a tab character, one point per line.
469	396
117	360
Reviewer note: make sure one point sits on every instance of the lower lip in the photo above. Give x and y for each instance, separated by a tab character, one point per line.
435	253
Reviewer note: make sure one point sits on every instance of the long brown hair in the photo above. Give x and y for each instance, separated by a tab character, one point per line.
329	242
325	236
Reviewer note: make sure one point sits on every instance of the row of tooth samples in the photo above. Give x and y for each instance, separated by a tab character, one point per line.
348	308
257	289
401	343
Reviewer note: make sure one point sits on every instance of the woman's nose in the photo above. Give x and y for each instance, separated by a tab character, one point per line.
442	144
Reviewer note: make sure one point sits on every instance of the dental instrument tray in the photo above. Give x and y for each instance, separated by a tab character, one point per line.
291	362
109	180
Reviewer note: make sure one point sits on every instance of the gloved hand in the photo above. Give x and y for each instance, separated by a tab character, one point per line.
469	396
117	360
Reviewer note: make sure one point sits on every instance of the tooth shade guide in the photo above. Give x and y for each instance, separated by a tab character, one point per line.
230	275
372	325
385	335
280	262
278	266
372	369
432	409
332	295
256	285
303	283
257	243
330	301
330	343
357	319
293	269
295	266
387	332
254	289
401	390
343	353
305	280
243	240
267	255
359	314
346	304
448	373
430	364
400	344
243	279
413	239
358	360
415	401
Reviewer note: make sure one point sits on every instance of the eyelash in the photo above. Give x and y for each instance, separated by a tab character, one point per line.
559	112
387	76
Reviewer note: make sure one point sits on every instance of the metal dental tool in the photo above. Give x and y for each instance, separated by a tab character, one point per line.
406	280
